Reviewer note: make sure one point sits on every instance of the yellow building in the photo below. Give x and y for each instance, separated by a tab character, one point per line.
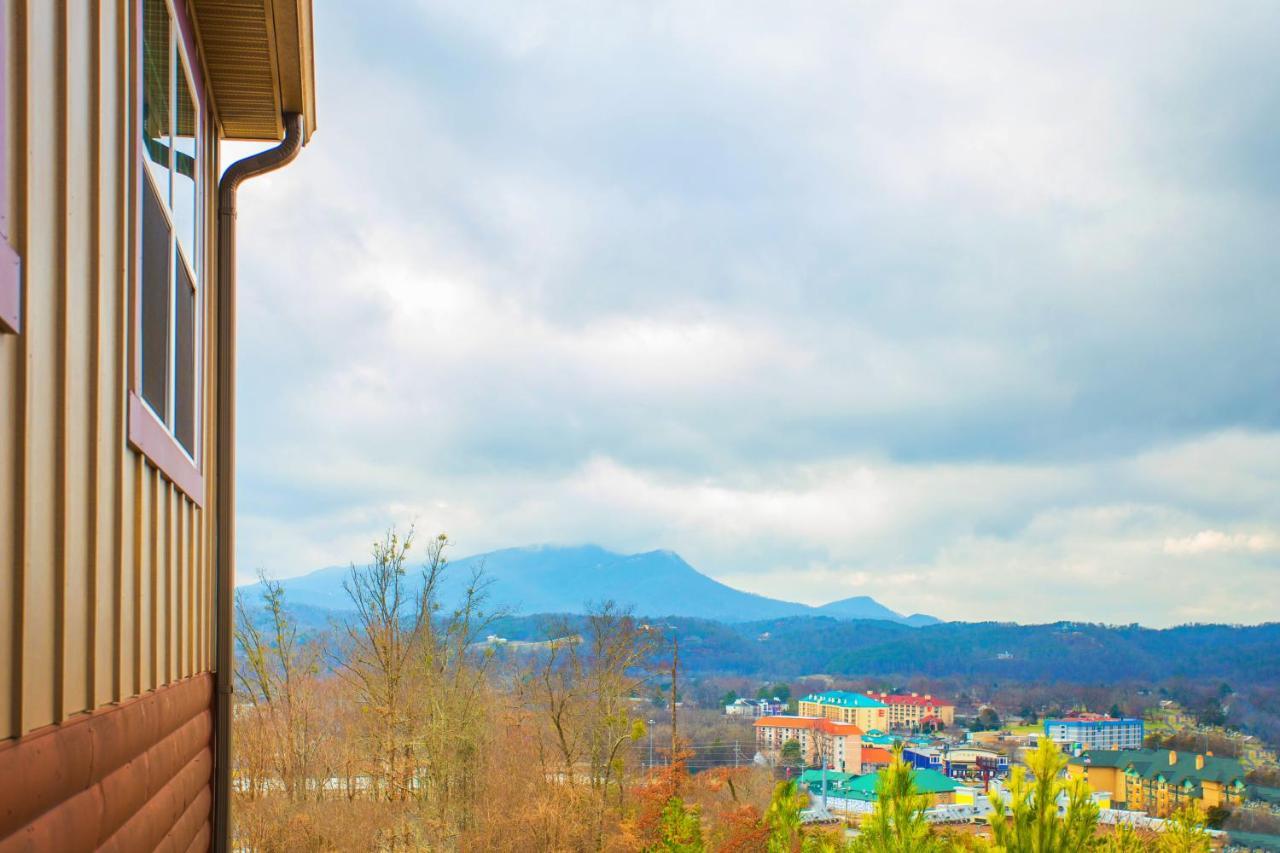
1160	781
116	402
842	706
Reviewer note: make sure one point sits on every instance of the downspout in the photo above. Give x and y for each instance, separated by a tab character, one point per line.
224	489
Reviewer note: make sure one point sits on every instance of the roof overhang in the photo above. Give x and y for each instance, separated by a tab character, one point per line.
258	58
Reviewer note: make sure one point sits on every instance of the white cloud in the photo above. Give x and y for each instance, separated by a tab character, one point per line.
969	310
1217	542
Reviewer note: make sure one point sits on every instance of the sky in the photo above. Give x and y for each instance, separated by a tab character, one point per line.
969	307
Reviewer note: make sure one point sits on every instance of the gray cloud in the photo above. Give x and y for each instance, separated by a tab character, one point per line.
729	258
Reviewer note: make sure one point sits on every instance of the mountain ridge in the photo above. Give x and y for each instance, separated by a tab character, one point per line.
566	579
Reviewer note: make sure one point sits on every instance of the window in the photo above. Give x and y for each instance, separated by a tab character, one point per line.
167	399
10	265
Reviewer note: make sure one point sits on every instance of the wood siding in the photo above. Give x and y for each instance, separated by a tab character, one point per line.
106	569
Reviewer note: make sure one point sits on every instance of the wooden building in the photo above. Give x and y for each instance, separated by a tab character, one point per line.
116	402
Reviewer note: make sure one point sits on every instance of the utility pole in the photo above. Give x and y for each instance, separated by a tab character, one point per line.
737	754
823	756
675	672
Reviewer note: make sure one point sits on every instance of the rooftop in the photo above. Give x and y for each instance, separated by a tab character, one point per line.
844	699
1174	768
822	724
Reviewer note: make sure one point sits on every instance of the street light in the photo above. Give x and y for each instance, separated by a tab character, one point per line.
652	723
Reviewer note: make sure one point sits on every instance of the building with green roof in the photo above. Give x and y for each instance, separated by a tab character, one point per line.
939	788
1160	781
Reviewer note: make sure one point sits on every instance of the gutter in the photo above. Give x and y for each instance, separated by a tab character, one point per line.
224	474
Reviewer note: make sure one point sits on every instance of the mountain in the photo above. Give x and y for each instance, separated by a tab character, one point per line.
555	579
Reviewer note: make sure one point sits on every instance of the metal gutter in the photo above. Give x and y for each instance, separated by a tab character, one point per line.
224	490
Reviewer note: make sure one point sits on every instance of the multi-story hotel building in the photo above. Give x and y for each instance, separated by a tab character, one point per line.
846	707
1095	731
913	711
1160	781
822	741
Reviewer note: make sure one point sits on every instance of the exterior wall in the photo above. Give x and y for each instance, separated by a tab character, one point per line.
864	718
106	569
1097	734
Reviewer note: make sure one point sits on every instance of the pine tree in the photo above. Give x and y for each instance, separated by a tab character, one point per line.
1031	823
898	825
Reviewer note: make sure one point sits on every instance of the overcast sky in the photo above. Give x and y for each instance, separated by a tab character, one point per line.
972	308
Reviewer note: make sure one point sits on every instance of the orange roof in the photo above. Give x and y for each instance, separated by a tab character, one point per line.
830	727
876	755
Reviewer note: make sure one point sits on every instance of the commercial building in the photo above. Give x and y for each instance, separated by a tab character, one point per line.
914	711
959	762
866	787
1081	730
1160	781
822	741
117	369
846	707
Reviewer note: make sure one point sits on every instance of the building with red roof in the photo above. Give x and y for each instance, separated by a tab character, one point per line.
822	741
914	711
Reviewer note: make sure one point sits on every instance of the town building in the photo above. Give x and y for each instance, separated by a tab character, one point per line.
866	787
913	711
958	762
1080	730
754	708
117	370
1160	781
846	707
822	741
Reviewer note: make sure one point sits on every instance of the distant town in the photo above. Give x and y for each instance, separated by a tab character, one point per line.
1139	769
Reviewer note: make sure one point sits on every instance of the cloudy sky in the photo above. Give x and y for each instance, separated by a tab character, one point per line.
969	307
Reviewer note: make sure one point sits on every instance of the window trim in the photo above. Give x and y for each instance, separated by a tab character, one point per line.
147	432
10	262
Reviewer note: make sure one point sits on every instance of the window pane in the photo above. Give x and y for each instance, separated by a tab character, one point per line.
155	301
184	380
155	93
185	172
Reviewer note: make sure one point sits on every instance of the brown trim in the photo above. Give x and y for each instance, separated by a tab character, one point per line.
147	432
126	773
10	263
149	437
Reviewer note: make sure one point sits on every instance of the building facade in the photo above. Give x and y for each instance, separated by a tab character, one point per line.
754	708
822	741
1095	731
843	706
913	711
1161	781
115	402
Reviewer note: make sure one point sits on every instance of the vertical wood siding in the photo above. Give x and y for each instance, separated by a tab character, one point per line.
105	567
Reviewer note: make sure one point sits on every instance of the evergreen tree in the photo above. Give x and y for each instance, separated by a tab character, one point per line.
680	830
1184	832
1030	823
898	825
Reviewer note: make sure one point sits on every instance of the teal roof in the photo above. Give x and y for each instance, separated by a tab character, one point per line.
844	699
867	786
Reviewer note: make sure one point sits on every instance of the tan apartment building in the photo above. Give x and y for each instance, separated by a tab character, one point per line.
821	740
117	377
1160	781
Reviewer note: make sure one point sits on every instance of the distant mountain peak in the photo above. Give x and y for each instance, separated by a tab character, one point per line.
551	578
